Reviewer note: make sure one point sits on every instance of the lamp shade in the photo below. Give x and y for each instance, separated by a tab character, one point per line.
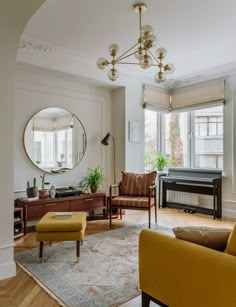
105	140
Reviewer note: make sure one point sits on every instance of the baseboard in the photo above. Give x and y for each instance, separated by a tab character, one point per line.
7	270
227	206
229	213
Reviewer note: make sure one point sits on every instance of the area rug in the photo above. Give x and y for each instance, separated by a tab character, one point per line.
107	274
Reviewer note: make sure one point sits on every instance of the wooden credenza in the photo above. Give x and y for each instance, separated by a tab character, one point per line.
35	209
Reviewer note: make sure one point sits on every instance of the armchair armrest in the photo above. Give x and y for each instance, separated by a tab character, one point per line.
182	274
111	189
150	190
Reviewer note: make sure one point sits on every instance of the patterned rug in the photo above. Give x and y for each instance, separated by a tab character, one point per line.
107	274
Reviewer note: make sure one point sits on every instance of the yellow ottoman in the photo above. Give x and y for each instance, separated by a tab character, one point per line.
50	228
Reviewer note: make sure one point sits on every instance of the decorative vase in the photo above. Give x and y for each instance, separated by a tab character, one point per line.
32	192
93	188
52	191
43	194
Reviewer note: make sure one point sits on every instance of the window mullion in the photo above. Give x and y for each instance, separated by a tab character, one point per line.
191	141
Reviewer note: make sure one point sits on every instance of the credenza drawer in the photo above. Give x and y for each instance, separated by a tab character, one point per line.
89	203
37	211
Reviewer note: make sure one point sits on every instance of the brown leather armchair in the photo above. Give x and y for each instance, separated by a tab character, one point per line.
134	192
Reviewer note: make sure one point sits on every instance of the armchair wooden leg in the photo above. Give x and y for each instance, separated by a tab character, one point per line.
110	209
121	214
155	213
145	300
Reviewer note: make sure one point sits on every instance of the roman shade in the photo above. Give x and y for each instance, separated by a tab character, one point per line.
49	124
43	124
156	98
201	95
63	122
197	96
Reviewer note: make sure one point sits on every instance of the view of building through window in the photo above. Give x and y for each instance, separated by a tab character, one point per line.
188	139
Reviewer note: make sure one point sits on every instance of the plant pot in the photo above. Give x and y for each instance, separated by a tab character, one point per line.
32	192
93	188
43	194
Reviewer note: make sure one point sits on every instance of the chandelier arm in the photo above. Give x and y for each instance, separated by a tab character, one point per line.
127	51
155	58
134	63
124	57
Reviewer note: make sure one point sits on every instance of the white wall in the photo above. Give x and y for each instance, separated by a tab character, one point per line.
37	89
13	17
118	129
134	154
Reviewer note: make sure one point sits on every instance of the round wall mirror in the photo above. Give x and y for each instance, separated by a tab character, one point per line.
55	140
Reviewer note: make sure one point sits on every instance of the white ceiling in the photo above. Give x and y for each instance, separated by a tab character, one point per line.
198	35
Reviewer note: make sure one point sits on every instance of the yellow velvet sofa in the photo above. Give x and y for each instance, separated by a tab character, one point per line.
177	273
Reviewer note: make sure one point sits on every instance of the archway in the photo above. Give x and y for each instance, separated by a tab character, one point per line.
14	16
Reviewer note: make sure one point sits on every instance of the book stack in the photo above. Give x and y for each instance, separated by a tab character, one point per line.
63	215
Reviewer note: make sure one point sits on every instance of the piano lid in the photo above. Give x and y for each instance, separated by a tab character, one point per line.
194	173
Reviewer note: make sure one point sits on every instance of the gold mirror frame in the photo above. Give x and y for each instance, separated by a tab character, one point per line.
62	166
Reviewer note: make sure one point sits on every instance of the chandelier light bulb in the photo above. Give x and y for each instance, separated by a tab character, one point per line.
139	53
102	63
160	77
113	49
150	41
145	61
113	74
161	53
146	30
169	68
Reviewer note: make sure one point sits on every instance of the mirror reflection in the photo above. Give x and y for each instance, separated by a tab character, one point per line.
55	140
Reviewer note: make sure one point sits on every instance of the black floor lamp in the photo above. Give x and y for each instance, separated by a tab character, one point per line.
105	141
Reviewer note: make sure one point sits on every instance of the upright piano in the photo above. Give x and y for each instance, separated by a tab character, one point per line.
200	181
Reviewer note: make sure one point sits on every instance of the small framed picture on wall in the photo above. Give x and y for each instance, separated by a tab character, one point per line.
134	131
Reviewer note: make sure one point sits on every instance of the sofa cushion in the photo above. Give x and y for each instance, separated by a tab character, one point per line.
215	238
136	184
231	244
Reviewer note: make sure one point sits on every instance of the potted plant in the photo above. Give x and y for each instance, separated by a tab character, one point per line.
31	191
93	179
43	193
161	161
60	163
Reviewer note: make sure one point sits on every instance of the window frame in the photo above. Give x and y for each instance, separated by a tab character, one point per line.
190	135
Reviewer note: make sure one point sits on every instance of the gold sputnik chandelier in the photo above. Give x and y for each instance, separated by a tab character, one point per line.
141	51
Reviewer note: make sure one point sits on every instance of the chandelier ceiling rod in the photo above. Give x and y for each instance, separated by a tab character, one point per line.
143	54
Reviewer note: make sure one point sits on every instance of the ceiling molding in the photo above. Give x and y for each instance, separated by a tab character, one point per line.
223	71
29	47
38	47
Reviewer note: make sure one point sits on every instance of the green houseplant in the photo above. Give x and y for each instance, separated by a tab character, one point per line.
161	161
93	179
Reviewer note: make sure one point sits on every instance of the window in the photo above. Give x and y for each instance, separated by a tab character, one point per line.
61	151
189	139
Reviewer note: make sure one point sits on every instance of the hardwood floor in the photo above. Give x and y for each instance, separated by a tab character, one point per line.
23	291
